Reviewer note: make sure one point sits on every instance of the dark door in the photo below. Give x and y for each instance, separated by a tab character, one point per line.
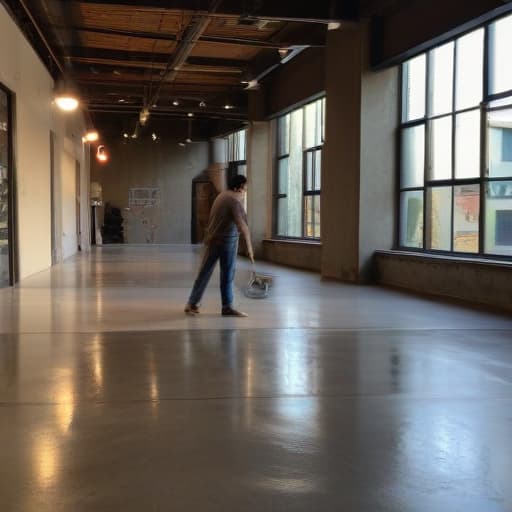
7	267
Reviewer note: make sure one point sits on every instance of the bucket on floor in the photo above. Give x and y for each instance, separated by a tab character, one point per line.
259	285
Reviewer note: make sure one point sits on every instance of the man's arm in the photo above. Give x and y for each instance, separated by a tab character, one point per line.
241	223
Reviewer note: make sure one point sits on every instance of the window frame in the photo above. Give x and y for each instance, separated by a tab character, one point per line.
233	157
321	99
484	108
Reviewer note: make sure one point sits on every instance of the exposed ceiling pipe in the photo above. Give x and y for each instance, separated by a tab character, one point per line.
41	35
193	32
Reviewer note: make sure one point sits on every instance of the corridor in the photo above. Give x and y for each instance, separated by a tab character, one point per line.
328	397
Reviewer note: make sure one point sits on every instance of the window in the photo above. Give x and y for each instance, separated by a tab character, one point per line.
300	137
456	145
237	156
237	153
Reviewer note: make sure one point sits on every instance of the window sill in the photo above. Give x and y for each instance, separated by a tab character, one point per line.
298	241
421	256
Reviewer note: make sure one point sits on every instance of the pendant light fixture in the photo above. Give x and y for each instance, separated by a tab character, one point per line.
65	95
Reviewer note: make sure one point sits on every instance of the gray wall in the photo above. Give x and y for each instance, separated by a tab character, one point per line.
144	163
477	281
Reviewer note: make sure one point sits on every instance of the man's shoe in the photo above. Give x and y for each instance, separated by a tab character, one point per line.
191	310
229	311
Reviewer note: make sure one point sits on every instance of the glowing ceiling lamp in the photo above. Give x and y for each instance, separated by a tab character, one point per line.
65	96
66	103
91	136
101	154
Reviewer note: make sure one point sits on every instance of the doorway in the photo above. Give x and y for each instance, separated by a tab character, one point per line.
78	216
7	196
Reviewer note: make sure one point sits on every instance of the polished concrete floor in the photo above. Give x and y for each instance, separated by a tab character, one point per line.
329	397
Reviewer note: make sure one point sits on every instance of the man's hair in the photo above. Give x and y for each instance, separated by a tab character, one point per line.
237	182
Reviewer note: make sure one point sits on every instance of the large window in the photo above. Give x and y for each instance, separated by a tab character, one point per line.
300	136
456	145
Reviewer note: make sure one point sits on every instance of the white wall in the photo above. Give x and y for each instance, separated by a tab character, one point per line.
23	73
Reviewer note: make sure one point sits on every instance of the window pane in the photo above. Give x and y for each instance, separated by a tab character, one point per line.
242	169
467	145
323	118
501	43
470	59
309	170
295	178
309	217
283	135
310	125
411	219
241	145
312	216
413	88
319	122
441	79
441	149
498	218
282	176
500	143
439	208
317	217
466	218
413	157
282	216
318	170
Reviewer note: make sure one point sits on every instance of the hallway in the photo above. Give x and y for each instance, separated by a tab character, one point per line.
328	397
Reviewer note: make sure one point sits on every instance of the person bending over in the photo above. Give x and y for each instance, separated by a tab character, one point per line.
227	220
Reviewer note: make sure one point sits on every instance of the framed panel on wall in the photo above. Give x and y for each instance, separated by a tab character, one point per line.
7	269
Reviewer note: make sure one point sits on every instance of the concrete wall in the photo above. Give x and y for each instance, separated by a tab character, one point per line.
301	78
22	72
305	255
341	156
377	201
259	177
164	165
471	280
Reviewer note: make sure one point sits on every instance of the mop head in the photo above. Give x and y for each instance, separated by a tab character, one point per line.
259	285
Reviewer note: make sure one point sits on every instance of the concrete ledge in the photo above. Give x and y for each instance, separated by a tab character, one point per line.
480	281
293	253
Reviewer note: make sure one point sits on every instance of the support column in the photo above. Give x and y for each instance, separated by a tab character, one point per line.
358	170
259	181
218	163
341	155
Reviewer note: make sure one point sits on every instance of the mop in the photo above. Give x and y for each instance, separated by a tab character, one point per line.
259	285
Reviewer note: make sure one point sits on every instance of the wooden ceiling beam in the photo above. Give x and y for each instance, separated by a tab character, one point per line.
299	40
319	11
144	59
